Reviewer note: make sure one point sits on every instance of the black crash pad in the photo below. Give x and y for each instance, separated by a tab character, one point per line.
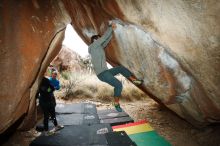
72	119
77	135
117	121
109	114
77	108
106	111
78	119
119	138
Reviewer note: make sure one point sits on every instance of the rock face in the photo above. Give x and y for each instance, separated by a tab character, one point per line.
31	34
68	60
172	45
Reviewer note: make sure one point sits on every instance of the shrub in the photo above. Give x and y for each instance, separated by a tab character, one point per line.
86	85
73	80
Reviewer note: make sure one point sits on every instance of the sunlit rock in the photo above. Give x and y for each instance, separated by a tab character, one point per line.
69	60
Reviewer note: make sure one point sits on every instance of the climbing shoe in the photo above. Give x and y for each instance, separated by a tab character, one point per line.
118	108
48	133
58	127
137	82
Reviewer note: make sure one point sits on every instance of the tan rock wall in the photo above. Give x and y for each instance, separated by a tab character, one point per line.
27	29
173	45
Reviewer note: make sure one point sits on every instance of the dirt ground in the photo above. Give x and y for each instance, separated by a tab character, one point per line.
177	131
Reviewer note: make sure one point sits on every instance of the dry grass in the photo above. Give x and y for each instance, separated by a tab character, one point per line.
83	85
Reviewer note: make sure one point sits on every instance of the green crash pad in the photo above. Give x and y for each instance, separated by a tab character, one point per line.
150	138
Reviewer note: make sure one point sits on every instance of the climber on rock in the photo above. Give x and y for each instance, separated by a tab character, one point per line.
98	58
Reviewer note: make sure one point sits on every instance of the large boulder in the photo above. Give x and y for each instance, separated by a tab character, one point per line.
68	60
31	34
172	45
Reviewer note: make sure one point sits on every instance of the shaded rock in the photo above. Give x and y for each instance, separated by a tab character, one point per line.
168	44
31	33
